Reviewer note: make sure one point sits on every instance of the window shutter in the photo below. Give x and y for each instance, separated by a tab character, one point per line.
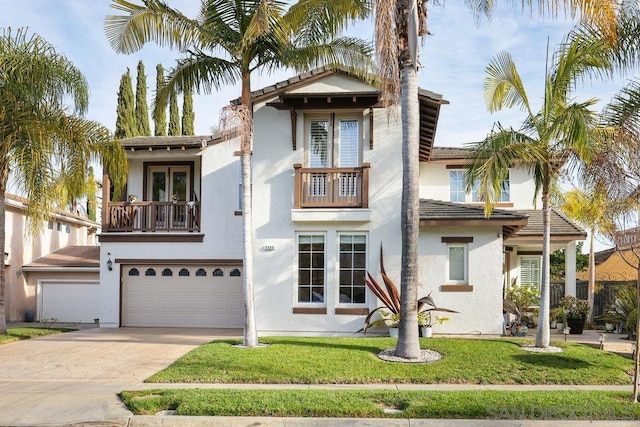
456	263
348	151
318	143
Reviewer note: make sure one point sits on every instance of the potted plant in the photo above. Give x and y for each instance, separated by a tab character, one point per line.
576	311
389	313
519	300
426	321
558	316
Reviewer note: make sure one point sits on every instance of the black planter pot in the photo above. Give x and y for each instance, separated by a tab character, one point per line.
576	325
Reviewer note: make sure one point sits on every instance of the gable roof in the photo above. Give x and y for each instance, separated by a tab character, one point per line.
69	257
449	155
562	228
430	102
441	213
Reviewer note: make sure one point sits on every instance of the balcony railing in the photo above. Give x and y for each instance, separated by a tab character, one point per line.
153	216
331	187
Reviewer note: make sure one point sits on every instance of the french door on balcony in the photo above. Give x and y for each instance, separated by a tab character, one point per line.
333	141
168	184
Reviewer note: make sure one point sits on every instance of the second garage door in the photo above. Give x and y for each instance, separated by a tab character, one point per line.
182	296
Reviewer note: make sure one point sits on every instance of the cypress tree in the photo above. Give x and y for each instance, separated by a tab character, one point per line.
159	117
188	116
125	120
142	110
174	115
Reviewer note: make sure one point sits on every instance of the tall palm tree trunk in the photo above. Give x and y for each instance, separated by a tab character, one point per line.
636	359
544	333
3	320
408	345
250	337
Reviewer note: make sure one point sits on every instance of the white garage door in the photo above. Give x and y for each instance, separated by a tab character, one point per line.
182	296
69	301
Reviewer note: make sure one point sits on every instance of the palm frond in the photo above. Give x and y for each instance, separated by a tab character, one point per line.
490	160
153	22
503	86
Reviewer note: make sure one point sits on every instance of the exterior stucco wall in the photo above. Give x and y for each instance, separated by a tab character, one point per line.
435	184
24	247
276	271
221	227
480	311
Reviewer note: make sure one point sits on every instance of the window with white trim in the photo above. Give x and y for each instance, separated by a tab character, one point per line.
457	263
456	186
530	271
352	268
311	268
333	140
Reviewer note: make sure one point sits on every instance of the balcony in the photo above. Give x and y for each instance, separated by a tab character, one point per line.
331	187
179	216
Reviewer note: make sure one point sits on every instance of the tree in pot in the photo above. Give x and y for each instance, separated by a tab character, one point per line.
576	311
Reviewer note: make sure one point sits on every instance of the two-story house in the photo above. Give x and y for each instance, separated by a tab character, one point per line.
326	176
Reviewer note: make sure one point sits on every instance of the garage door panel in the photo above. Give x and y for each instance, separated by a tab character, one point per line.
180	300
69	302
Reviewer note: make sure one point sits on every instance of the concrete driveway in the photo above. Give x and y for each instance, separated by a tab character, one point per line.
75	377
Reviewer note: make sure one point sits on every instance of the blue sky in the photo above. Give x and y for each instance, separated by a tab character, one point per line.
454	58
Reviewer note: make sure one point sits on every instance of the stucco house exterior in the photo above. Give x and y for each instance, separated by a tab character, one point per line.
25	290
326	176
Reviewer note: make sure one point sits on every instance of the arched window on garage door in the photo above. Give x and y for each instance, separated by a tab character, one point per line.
201	272
235	272
134	272
150	272
218	272
183	272
167	272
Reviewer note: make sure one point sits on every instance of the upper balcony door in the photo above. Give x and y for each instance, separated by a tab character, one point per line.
333	174
333	141
169	184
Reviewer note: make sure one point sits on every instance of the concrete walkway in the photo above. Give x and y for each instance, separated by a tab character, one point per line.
75	378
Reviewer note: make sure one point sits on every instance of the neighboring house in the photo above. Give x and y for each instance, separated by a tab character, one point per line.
66	284
326	173
64	229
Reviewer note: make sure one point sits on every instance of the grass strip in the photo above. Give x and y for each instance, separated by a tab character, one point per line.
499	405
297	360
17	334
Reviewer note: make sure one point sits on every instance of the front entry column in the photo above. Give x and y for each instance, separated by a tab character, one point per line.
570	269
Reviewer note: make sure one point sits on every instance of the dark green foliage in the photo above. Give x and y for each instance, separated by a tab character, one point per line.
557	262
174	115
188	116
125	120
160	115
142	110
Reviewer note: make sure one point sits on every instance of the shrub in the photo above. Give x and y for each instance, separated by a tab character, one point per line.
575	308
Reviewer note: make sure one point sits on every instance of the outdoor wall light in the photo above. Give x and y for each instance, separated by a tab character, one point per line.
109	262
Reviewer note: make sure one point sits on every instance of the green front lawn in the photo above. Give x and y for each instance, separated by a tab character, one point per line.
17	334
354	361
536	405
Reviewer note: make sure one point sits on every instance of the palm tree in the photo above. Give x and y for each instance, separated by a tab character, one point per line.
398	25
227	42
562	131
41	142
589	208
